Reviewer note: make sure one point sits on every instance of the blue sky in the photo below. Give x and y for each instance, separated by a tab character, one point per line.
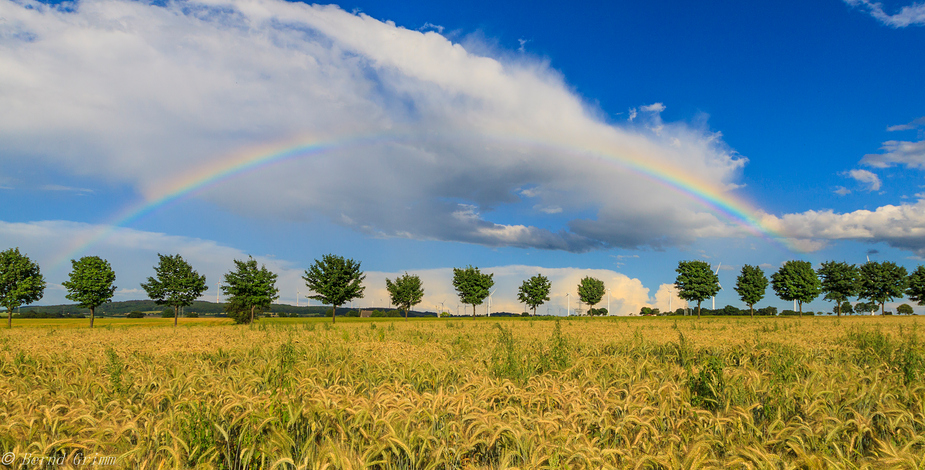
498	134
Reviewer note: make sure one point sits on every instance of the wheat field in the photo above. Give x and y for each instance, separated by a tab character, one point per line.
762	393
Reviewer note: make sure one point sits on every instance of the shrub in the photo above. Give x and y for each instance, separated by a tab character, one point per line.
135	314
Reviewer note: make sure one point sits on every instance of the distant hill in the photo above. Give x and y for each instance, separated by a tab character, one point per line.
121	308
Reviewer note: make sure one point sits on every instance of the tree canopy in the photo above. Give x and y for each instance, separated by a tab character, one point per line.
904	309
472	286
696	282
534	291
91	283
406	292
335	280
916	288
881	282
250	289
590	291
838	281
751	286
176	284
796	280
21	282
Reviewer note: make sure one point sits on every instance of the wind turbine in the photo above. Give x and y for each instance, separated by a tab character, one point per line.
489	301
718	283
442	308
608	301
568	304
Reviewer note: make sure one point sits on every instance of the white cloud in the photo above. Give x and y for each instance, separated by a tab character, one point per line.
842	191
910	154
916	123
901	226
865	177
156	96
907	16
58	187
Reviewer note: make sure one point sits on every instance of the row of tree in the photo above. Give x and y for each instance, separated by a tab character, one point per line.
335	280
876	282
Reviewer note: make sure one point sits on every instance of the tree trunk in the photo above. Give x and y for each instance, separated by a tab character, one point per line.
9	317
334	314
252	313
176	314
800	303
881	308
91	317
406	314
752	308
698	309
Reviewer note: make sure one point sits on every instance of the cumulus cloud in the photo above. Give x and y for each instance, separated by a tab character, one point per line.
901	226
867	178
842	191
908	15
910	154
410	134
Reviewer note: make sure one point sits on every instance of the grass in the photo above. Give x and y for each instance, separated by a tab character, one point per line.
468	393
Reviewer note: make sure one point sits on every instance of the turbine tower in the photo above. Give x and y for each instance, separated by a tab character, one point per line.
489	301
717	282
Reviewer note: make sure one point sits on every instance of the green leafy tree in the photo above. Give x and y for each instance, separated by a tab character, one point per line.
406	292
904	309
839	281
21	282
590	291
751	286
534	291
472	286
865	307
91	283
882	282
335	280
696	282
844	308
249	289
176	284
916	289
796	280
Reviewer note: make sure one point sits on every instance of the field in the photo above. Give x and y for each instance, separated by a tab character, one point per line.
471	393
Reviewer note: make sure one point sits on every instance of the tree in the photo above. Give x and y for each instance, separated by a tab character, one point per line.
751	286
91	283
845	308
904	309
882	282
839	281
796	280
21	282
590	291
865	307
335	280
696	282
406	292
534	291
472	286
916	289
249	289
176	285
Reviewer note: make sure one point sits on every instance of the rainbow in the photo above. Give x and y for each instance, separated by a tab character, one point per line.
720	202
